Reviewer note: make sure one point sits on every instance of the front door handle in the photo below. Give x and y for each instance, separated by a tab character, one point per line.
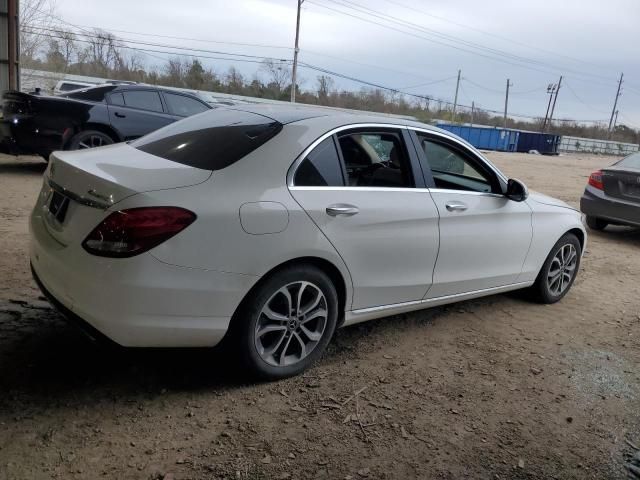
120	115
456	207
342	209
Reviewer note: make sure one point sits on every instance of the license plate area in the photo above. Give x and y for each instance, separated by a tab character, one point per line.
630	189
58	206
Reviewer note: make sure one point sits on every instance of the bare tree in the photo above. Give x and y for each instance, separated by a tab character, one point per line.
35	15
278	72
325	85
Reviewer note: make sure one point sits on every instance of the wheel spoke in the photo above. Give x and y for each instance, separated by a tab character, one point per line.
301	290
313	304
283	354
313	336
272	315
285	292
274	348
83	145
318	313
303	347
269	329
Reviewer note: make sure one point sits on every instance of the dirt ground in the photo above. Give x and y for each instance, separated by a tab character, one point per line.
497	388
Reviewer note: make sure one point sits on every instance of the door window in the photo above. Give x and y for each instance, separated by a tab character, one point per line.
183	106
375	159
116	99
452	169
321	168
143	99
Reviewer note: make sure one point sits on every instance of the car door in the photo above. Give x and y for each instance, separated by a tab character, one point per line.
363	188
181	106
136	112
484	236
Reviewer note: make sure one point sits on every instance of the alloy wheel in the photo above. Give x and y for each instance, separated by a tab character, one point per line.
92	141
291	324
562	269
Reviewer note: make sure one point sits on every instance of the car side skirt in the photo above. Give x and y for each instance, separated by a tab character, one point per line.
362	315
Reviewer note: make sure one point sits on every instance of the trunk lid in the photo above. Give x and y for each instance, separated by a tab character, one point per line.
622	182
80	186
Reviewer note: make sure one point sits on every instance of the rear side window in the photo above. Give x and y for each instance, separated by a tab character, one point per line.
211	141
94	94
183	106
143	99
321	168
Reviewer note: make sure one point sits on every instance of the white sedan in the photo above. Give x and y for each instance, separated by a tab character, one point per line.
269	227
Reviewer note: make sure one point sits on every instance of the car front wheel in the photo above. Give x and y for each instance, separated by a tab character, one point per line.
287	322
559	270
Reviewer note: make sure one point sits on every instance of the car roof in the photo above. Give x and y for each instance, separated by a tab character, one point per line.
286	114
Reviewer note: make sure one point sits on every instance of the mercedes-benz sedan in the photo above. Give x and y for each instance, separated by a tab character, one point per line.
269	227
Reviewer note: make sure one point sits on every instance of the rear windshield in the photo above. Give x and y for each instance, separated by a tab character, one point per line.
211	140
632	161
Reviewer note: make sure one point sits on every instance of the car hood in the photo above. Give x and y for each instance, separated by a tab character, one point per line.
547	200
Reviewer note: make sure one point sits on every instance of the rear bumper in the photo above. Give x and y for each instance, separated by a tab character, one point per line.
20	136
138	301
595	203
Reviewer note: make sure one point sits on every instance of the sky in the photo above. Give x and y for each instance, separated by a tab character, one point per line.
416	46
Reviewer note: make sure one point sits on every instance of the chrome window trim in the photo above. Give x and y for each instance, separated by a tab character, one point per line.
473	151
394	189
294	166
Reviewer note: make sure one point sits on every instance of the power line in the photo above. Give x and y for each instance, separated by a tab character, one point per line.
500	37
305	65
442	80
491	53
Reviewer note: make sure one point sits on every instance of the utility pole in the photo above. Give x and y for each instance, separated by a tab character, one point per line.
551	89
455	100
506	102
615	103
473	111
553	107
294	72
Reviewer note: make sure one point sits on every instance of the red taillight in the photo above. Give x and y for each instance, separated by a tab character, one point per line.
130	232
595	180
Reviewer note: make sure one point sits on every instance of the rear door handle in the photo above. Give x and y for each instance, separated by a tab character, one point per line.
120	115
456	207
342	209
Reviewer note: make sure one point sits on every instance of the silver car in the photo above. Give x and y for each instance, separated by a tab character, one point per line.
269	227
612	195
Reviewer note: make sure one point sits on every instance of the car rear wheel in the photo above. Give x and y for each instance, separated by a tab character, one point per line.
89	139
559	270
595	223
287	322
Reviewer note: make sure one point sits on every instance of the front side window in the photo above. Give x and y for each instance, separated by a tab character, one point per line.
452	169
143	99
183	106
375	159
321	168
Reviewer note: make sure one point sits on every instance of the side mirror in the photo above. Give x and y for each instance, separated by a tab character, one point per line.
516	190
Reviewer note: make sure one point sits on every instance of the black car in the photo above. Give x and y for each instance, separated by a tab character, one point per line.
92	117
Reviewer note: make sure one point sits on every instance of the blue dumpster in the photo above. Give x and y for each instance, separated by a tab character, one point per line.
485	137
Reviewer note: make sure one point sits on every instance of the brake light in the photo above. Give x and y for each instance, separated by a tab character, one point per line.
130	232
595	180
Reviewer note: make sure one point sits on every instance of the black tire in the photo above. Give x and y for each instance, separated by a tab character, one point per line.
541	290
244	329
89	139
595	223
